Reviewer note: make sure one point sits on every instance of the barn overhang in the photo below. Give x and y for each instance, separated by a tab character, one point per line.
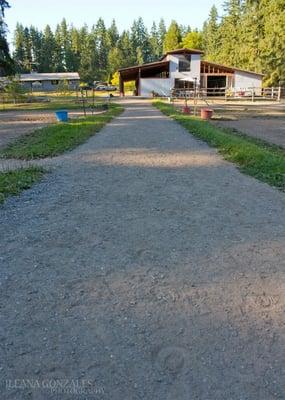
151	70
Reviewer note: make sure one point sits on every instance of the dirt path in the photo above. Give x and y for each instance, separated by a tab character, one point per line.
143	267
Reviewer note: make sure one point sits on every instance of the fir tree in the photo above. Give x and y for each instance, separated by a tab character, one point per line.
48	51
113	34
155	47
211	37
172	38
6	63
193	40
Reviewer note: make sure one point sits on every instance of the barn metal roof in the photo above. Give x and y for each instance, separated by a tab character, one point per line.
131	73
35	76
233	69
182	51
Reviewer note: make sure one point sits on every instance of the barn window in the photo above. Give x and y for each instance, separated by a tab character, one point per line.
185	63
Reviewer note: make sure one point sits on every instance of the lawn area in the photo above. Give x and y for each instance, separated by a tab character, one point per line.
58	138
253	157
52	101
14	182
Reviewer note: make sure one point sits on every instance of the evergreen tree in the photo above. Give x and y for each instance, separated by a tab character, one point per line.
64	40
115	60
193	40
59	61
48	51
23	49
185	29
211	36
141	48
6	63
75	49
86	68
172	38
36	38
100	37
19	45
161	34
113	34
125	47
155	47
230	33
272	51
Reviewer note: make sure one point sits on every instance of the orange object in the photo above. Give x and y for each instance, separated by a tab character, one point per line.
206	113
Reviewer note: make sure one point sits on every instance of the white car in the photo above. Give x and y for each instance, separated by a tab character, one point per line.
105	88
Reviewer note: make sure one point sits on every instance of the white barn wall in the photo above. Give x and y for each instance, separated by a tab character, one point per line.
174	67
244	80
159	85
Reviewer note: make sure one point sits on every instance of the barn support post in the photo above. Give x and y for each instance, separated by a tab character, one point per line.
139	82
122	86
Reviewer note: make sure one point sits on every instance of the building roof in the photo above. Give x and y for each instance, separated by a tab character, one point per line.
35	76
161	62
132	72
146	65
230	68
182	51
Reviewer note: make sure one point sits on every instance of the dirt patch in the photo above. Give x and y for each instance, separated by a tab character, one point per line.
271	130
264	121
14	124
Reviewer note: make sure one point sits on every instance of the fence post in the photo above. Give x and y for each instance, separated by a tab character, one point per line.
279	94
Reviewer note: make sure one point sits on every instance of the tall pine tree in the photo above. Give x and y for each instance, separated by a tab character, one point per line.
6	63
172	39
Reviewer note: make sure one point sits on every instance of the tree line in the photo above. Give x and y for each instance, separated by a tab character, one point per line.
250	34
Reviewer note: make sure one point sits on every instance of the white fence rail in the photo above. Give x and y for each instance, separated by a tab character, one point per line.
253	94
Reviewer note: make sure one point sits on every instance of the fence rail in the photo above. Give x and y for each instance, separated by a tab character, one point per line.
252	93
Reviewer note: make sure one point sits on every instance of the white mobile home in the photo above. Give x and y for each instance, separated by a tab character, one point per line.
183	68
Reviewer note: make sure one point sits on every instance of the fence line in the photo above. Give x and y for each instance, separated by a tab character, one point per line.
252	93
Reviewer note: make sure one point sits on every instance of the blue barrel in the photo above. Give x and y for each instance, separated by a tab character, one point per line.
62	116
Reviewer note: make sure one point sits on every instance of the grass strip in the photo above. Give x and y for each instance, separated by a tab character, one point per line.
58	138
13	183
256	159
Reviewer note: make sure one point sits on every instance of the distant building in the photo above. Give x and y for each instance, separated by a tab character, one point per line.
183	68
47	82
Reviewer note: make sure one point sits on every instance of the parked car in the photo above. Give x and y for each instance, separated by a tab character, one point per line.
106	88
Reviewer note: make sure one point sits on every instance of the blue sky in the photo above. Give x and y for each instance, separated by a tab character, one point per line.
42	12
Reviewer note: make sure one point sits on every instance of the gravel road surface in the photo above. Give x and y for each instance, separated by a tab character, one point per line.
143	266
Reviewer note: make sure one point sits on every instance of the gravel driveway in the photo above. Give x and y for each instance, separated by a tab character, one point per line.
144	266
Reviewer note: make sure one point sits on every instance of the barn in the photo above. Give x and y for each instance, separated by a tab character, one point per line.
47	82
184	68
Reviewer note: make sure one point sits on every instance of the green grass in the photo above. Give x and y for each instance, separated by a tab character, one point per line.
54	105
13	183
42	106
56	102
253	157
58	138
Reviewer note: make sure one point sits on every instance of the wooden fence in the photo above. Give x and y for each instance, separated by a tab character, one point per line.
252	94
